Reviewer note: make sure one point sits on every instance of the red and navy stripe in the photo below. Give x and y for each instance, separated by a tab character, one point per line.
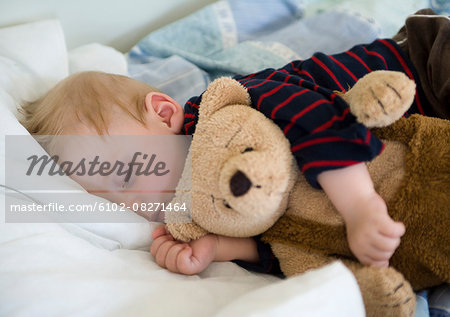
300	98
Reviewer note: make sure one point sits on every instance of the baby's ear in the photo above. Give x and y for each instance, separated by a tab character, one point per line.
166	109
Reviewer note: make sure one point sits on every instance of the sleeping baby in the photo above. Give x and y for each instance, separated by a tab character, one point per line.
330	147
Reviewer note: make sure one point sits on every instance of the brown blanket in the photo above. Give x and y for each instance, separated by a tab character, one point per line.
425	38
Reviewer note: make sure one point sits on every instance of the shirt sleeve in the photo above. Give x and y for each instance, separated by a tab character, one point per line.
268	263
191	115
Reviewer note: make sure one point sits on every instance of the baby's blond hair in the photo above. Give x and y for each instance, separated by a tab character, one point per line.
87	96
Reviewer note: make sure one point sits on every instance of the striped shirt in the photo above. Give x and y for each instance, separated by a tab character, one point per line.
300	98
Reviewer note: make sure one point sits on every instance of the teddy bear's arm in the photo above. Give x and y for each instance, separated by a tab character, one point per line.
384	290
186	231
380	98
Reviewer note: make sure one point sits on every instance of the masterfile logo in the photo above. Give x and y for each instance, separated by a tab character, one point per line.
56	174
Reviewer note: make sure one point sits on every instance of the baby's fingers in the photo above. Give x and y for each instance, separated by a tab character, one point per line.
376	256
159	231
385	244
393	230
162	252
172	257
380	251
373	262
156	244
187	263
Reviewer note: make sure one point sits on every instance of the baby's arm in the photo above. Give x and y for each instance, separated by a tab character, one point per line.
372	234
193	257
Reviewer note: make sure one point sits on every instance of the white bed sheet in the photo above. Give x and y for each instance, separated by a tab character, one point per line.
46	271
105	269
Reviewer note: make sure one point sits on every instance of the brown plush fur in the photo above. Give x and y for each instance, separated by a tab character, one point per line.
423	202
418	173
412	175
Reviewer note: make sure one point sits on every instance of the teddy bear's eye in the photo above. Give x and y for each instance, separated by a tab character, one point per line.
226	204
248	149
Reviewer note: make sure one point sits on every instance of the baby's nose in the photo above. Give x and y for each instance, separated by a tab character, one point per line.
239	184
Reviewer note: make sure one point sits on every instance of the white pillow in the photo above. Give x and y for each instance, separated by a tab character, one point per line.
99	57
33	58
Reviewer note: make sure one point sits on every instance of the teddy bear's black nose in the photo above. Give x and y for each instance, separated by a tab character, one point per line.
239	184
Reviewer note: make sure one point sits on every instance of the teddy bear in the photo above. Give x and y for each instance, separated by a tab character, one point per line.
241	180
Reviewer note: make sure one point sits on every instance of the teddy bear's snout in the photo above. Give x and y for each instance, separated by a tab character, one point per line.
239	184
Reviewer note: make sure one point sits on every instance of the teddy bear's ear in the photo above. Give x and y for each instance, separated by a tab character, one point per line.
222	92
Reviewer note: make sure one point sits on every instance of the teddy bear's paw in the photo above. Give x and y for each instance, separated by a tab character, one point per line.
386	292
398	301
186	231
381	97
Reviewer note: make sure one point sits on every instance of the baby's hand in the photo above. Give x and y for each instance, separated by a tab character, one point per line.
180	257
372	234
